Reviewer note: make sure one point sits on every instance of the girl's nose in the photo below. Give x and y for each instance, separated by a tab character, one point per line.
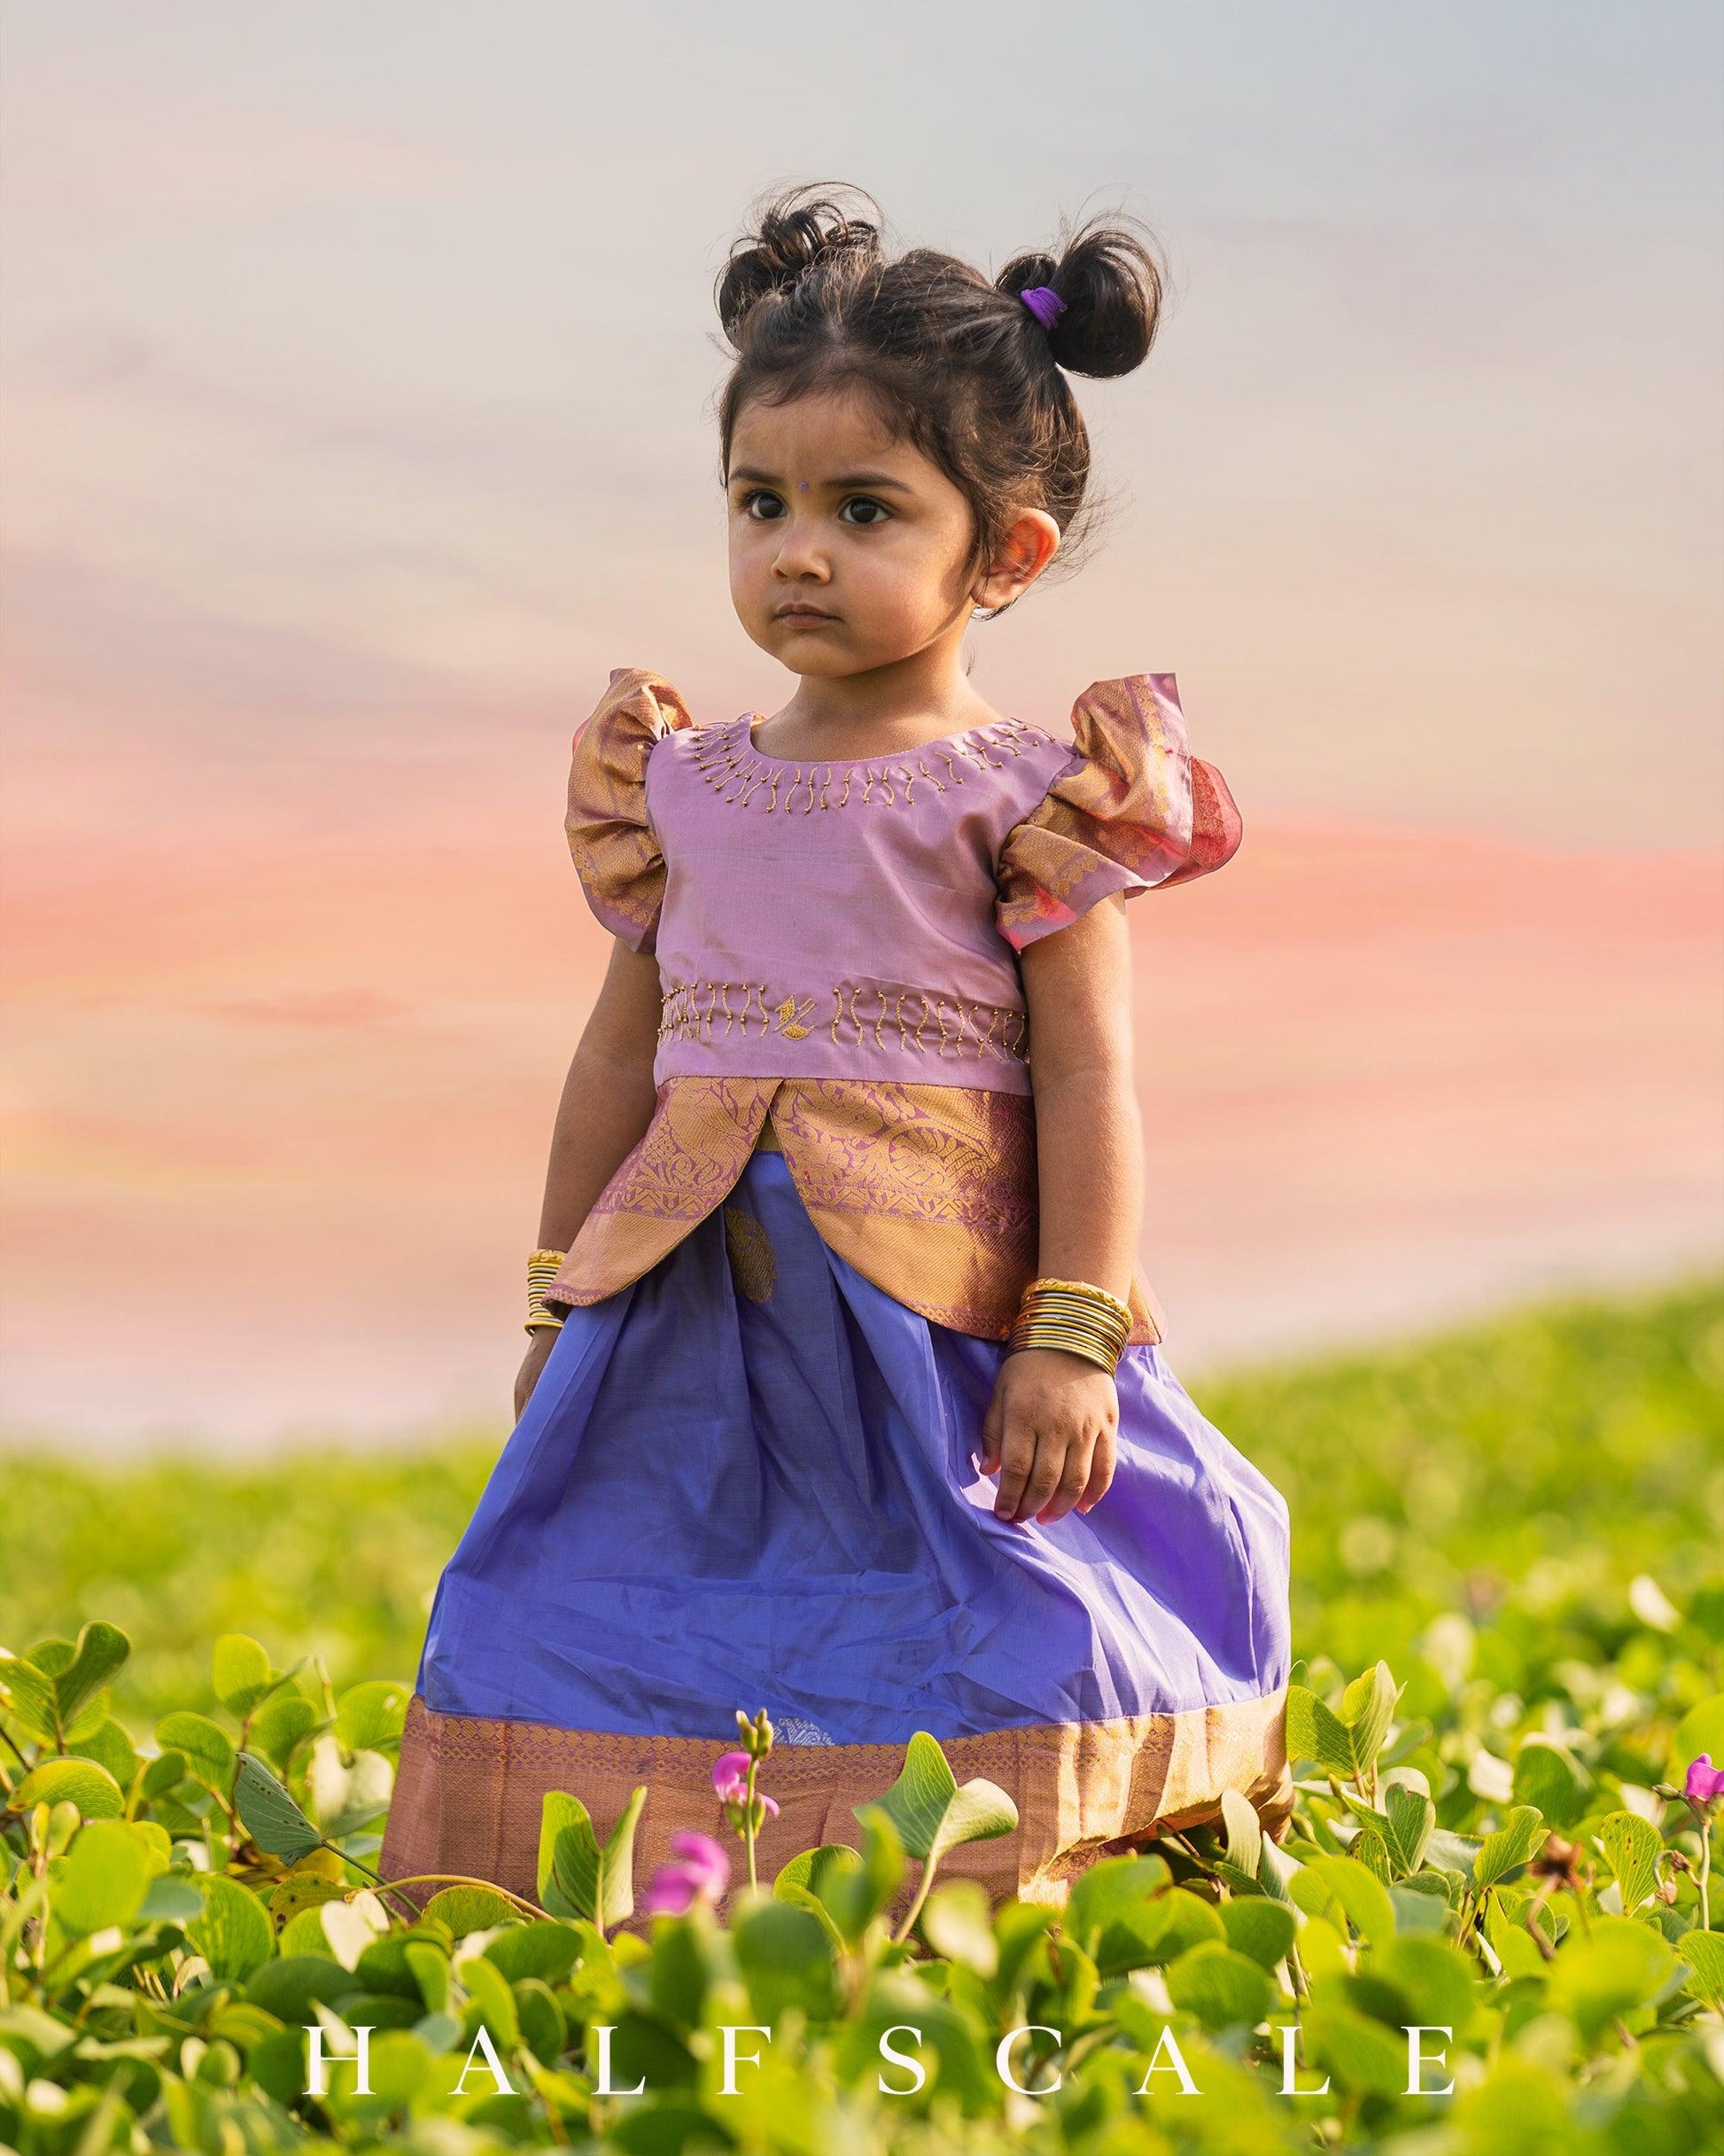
799	553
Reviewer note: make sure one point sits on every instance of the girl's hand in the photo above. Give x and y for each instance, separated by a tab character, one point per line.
1050	1431
538	1348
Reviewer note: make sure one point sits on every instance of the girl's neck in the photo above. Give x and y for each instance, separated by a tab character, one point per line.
886	711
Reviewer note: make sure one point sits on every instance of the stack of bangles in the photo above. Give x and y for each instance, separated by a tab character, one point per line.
1074	1316
542	1268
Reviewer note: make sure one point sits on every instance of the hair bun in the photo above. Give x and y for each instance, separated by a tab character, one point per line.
1112	283
802	230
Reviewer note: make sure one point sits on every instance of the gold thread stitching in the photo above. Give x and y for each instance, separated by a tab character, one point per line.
728	763
874	1011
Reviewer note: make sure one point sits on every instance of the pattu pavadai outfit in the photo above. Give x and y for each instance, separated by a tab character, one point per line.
747	1475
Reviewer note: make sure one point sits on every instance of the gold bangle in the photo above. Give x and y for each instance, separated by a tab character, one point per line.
1074	1317
542	1269
1086	1291
1105	1359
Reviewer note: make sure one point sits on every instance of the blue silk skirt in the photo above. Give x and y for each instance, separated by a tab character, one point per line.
748	1479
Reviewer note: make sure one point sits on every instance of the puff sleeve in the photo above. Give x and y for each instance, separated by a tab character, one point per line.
611	841
1134	811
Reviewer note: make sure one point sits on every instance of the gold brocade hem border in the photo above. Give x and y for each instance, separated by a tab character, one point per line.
928	1191
469	1791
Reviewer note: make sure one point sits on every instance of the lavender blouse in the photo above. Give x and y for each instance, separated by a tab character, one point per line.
838	943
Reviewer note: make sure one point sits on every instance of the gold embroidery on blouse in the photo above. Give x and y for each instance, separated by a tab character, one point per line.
753	1267
884	1013
729	763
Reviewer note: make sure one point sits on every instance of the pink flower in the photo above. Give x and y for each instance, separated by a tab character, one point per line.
1704	1784
730	1778
700	1870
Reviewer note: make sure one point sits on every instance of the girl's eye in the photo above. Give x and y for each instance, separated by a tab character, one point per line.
762	505
877	512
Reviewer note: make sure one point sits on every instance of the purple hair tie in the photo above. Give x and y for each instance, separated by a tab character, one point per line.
1045	303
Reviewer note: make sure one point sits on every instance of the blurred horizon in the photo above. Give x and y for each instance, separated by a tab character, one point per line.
355	383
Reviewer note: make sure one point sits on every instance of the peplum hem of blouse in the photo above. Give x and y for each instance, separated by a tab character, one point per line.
772	920
928	1191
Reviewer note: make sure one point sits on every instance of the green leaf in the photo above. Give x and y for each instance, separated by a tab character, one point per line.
110	1746
1505	1927
281	1725
460	1909
1107	1910
27	1695
854	1889
547	1951
1622	1966
616	1901
240	1673
1431	1982
1332	1885
288	1988
957	1921
1361	2054
785	1962
371	1717
1176	1922
932	1814
1509	1847
234	1934
1245	1832
577	1878
1315	1733
81	1782
270	1815
568	1871
797	1882
542	2029
1260	1929
1369	1848
490	2001
1703	1953
1631	1847
1223	1989
206	1747
1700	1729
99	1657
1367	1708
102	1878
1547	1779
170	1898
1410	1819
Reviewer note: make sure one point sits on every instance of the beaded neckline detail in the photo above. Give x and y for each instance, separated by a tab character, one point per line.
727	760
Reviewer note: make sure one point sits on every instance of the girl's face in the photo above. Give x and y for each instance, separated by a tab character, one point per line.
850	550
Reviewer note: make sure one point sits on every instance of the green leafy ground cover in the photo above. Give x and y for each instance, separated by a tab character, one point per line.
1509	1596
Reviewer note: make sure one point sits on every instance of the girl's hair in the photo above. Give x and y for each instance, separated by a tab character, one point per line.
957	365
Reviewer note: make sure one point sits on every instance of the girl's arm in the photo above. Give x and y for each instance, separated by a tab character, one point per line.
606	1105
1051	1428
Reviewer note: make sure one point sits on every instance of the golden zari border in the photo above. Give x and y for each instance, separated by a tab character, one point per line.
468	1792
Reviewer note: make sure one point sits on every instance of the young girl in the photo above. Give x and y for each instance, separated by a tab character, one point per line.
844	1397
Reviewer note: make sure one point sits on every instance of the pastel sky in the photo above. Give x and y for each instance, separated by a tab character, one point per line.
355	380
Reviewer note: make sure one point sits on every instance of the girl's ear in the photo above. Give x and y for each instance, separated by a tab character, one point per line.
1028	544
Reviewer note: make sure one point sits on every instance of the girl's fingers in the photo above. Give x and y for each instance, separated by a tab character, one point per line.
1073	1480
1101	1470
1043	1477
991	1423
1017	1462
